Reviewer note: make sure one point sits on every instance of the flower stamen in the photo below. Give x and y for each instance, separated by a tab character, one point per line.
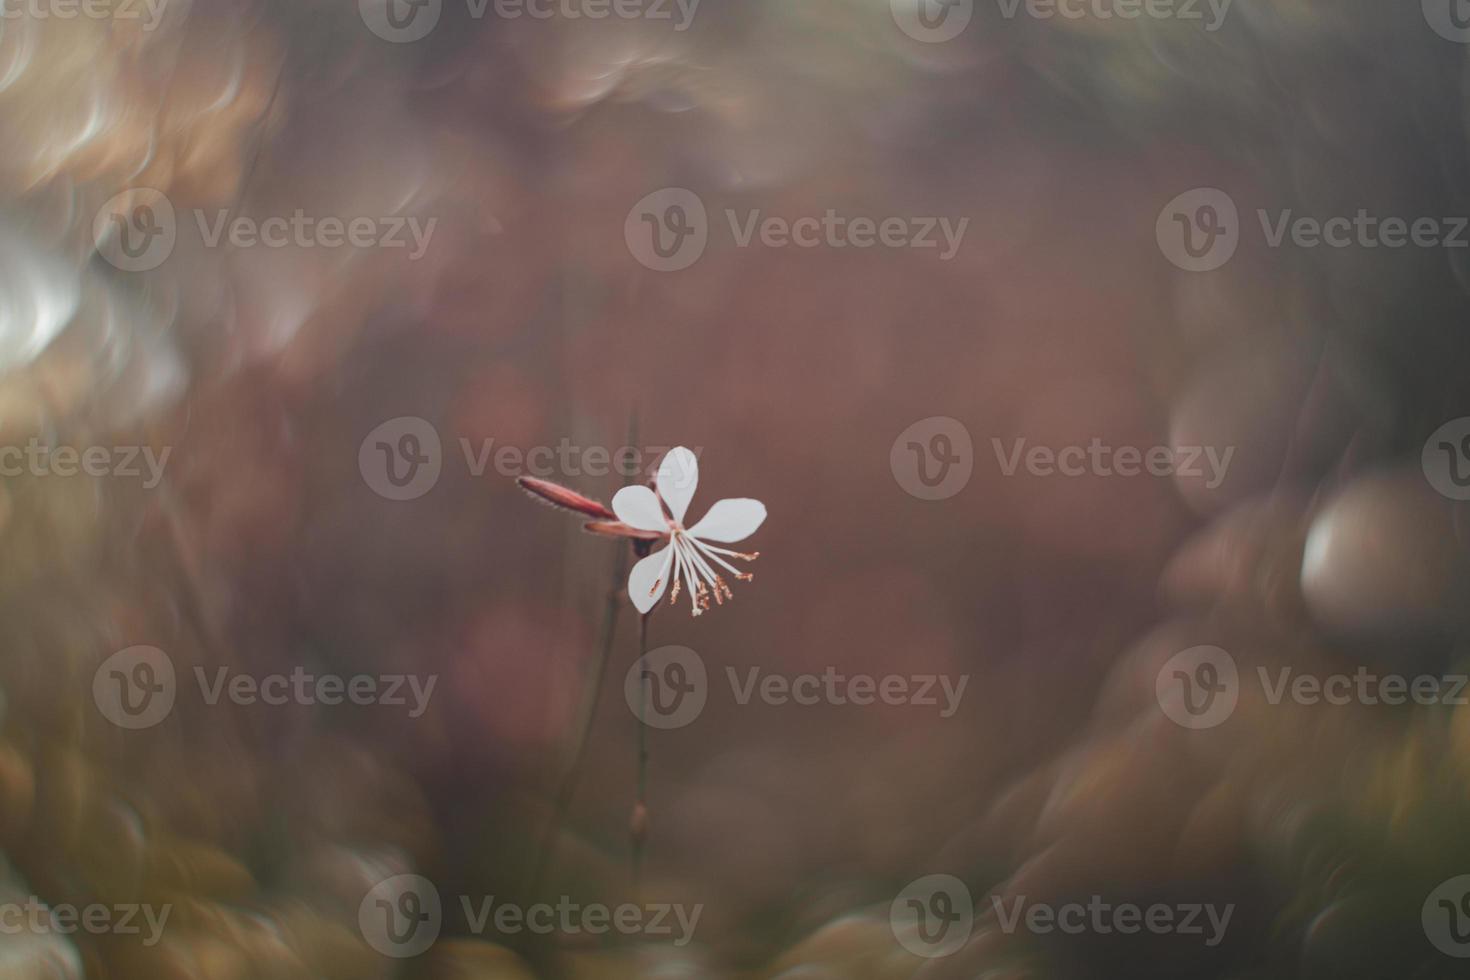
719	589
715	553
733	554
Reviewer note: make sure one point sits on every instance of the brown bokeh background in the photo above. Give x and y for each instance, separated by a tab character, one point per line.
528	322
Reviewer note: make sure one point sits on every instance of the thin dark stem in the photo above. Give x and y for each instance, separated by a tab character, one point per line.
640	806
591	694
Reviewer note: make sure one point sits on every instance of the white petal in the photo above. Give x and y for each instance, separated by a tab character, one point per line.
730	520
649	579
638	507
678	475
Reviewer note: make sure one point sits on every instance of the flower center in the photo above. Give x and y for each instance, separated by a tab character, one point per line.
694	560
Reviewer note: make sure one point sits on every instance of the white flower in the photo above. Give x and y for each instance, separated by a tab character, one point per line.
689	555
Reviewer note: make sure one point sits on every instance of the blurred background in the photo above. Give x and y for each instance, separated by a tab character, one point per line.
249	245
